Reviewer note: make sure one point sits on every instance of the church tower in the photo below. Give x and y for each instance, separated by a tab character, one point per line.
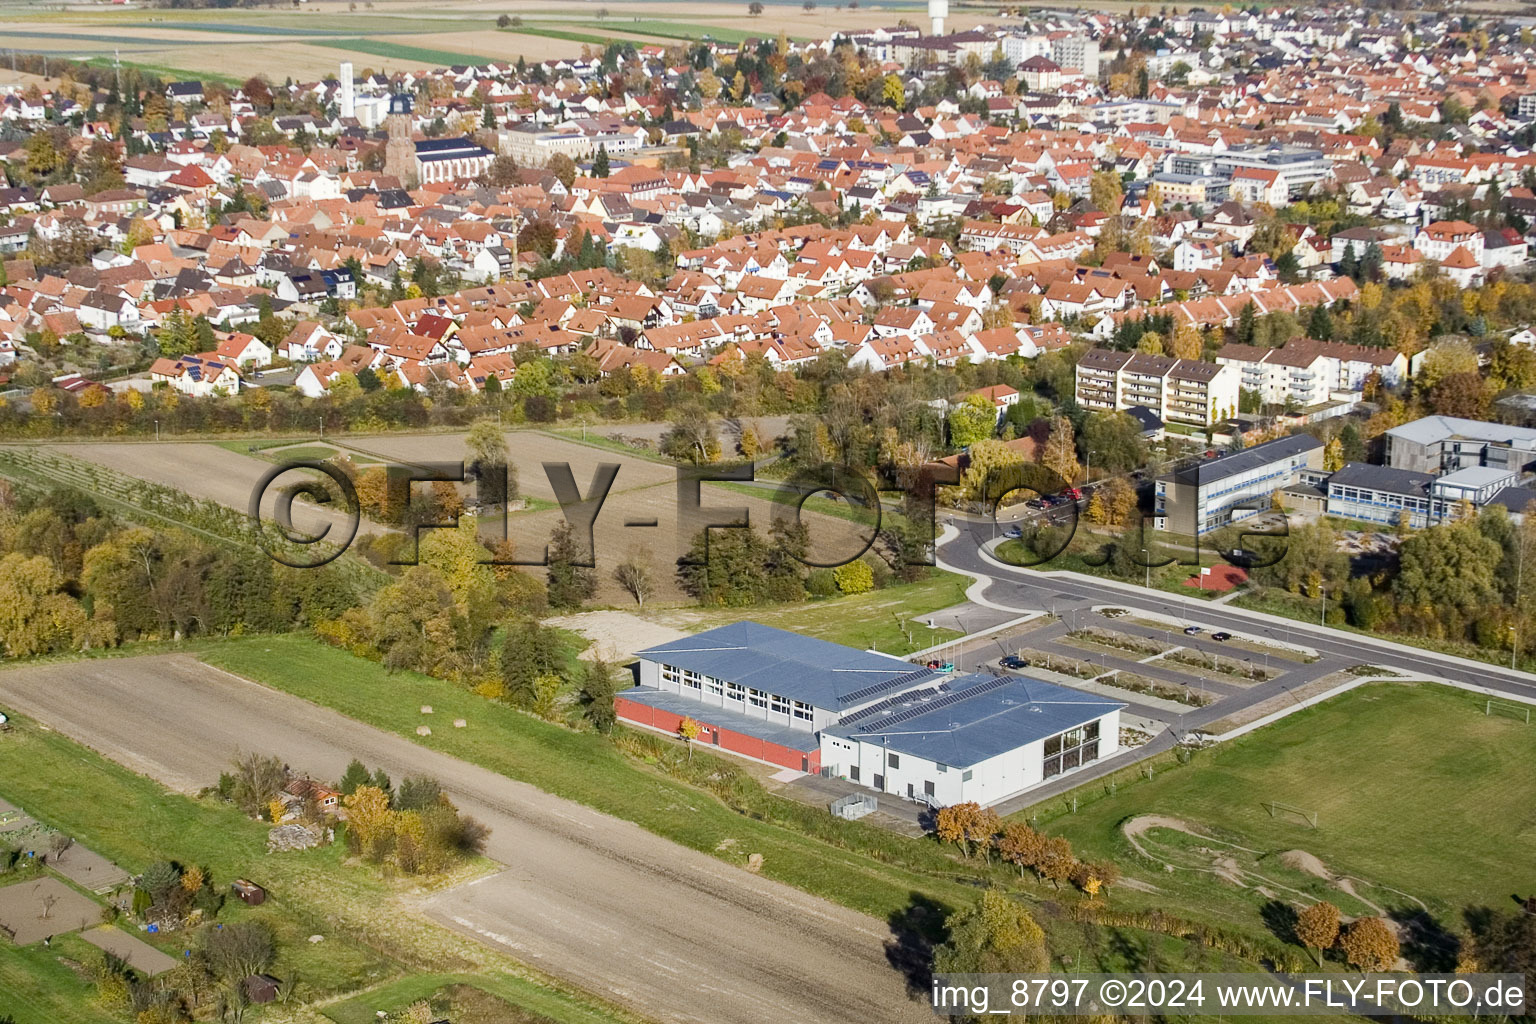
400	151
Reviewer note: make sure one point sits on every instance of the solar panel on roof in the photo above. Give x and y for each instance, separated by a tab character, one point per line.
954	697
888	703
915	676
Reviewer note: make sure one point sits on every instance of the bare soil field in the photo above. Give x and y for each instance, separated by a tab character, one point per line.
87	869
203	471
32	910
616	636
673	933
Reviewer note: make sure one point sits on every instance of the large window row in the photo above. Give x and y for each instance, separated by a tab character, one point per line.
1071	749
776	703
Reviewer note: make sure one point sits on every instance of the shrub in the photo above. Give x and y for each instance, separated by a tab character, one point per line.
821	583
854	577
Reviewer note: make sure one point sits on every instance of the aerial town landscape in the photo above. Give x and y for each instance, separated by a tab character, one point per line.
527	515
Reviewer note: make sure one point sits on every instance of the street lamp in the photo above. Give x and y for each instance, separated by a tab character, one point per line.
1146	561
1322	616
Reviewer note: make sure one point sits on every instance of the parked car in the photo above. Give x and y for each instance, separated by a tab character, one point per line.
1192	630
1014	661
1034	503
1073	494
1221	636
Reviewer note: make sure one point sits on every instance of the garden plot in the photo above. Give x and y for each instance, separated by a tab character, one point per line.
135	952
32	910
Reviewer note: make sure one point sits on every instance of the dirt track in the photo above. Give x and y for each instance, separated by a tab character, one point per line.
671	932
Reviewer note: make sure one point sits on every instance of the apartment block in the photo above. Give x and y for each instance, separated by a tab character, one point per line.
1180	391
1309	372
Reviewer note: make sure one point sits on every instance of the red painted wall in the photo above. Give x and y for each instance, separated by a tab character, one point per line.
731	741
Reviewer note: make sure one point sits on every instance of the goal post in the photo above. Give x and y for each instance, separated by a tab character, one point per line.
1501	707
1276	809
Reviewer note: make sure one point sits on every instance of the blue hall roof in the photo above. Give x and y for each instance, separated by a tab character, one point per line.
976	717
803	668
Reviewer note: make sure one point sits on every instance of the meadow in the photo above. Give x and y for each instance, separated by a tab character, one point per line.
1420	802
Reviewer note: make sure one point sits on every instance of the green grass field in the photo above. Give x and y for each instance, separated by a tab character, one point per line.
872	620
565	34
672	29
1414	788
401	51
37	987
168	74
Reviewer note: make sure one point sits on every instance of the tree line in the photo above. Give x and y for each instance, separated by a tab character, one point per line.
74	577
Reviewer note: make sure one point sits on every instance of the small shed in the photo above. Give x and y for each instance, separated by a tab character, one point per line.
249	892
261	988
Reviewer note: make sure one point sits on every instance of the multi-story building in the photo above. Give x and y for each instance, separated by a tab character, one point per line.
1439	240
1444	444
1214	492
926	734
1179	391
1296	169
1308	372
1382	494
1077	51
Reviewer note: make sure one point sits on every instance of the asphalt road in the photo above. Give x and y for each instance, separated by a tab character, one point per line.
670	932
1026	589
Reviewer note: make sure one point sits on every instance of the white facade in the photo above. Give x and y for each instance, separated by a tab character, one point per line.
886	770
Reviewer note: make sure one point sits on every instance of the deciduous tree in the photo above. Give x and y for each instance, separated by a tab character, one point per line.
370	821
1369	944
995	935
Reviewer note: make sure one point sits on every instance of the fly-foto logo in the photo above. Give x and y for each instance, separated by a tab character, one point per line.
901	505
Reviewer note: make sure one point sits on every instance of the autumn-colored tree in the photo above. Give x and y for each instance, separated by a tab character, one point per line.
1119	500
855	577
1020	845
1097	511
1060	454
276	810
1055	861
1317	927
370	822
192	878
1369	944
1186	342
967	825
1106	191
996	935
1333	456
688	731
